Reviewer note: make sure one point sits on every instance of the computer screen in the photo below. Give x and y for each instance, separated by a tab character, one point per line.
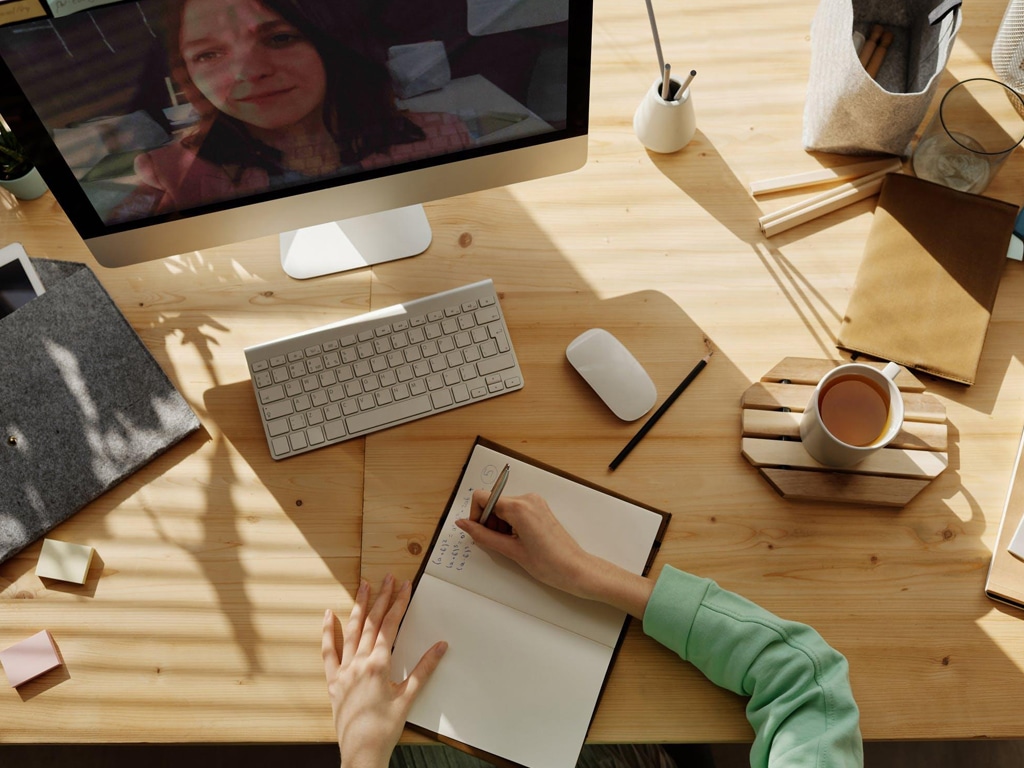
167	126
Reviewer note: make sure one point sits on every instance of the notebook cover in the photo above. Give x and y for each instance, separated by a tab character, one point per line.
1005	580
928	278
84	404
655	547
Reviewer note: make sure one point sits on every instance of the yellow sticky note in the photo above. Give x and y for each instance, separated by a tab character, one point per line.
20	10
64	561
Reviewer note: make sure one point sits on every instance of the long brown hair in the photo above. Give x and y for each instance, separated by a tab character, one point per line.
358	107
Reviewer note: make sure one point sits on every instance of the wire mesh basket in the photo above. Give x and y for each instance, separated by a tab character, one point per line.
1008	48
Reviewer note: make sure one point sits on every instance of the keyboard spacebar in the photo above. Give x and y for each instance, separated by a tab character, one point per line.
386	414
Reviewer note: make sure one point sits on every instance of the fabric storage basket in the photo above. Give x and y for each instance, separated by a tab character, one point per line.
849	112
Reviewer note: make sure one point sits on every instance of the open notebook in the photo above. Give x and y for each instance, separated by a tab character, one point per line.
526	663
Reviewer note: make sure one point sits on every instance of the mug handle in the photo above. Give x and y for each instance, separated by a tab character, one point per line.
890	370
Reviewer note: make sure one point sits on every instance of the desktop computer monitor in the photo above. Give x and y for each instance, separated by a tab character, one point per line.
168	126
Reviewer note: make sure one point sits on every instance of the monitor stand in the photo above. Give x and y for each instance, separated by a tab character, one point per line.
354	243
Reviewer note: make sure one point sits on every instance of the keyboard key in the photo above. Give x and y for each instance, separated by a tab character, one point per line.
334	429
494	365
487	315
278	409
272	394
397	411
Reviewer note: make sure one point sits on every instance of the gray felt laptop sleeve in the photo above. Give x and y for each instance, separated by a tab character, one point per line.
83	404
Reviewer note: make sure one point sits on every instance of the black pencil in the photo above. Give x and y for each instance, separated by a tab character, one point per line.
660	412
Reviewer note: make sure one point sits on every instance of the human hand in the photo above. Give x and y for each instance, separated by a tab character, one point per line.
369	709
523	529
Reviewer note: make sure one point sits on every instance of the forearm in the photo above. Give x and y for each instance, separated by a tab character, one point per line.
607	583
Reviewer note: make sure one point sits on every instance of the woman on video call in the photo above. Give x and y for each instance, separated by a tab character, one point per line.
282	98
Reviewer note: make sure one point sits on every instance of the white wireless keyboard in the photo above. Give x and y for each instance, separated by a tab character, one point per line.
382	369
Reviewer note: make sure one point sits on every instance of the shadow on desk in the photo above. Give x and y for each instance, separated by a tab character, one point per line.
702	173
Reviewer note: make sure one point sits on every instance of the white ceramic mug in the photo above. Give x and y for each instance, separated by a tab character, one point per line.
826	447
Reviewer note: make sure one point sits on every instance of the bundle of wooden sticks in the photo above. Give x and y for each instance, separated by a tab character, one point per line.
863	180
872	50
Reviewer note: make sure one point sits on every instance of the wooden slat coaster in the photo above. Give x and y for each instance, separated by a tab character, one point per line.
889	477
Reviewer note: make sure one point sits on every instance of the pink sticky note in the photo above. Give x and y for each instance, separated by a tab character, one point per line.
30	658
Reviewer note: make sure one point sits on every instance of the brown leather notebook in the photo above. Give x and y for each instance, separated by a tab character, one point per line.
928	278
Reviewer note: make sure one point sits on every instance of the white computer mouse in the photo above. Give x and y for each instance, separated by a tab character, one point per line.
612	371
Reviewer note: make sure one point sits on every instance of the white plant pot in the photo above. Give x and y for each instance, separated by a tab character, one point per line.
28	187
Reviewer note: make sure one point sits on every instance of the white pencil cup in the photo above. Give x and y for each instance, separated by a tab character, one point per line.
665	126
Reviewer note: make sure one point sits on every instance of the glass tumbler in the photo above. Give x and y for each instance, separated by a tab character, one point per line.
978	124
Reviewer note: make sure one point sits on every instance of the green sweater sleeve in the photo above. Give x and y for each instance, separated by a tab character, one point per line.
800	702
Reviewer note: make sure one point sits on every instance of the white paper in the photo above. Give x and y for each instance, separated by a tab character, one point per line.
509	684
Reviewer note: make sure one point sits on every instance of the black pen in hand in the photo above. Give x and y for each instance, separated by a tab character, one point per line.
499	485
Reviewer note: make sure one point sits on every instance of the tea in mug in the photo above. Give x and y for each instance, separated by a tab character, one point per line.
855	409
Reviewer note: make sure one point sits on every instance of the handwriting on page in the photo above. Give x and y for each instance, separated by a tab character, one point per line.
454	547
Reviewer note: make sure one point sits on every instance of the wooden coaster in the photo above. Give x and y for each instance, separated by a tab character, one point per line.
889	477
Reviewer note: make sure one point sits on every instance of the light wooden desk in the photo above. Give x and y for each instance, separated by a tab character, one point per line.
201	621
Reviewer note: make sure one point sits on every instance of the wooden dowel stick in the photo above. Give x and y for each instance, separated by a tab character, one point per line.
820	209
879	55
826	195
869	45
822	176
